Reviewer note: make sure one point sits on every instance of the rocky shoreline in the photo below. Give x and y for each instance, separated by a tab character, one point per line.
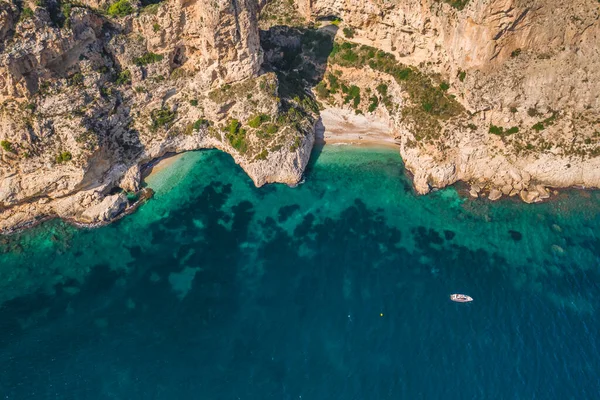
146	193
502	95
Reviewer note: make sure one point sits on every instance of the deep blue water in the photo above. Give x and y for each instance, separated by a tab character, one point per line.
336	289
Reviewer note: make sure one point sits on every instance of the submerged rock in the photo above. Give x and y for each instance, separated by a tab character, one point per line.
495	194
530	196
556	249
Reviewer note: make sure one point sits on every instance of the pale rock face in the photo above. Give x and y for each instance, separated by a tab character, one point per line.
216	39
8	19
282	167
131	180
106	210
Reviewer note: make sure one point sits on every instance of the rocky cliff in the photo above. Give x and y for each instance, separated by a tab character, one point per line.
90	92
526	72
503	94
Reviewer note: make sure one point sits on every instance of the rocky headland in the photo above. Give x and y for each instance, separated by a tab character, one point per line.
503	94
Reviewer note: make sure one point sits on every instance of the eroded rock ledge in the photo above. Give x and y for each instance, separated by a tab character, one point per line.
502	94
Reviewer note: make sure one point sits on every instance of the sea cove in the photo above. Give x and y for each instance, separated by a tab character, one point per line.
335	289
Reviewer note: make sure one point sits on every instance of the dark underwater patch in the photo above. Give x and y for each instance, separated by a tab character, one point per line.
305	226
425	237
515	235
286	212
449	235
135	251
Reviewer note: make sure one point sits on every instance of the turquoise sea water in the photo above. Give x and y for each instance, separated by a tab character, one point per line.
336	289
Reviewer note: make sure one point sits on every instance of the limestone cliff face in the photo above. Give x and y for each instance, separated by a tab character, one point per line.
85	99
532	65
219	39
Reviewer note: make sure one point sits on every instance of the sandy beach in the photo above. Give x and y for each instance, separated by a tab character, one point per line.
160	164
344	127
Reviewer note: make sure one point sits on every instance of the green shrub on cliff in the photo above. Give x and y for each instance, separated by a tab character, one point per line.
162	118
345	54
120	8
124	78
374	103
296	144
271	129
7	146
200	123
349	33
458	4
258	120
540	126
63	157
498	130
76	79
233	127
382	88
334	83
65	10
147	58
236	136
26	14
262	155
322	91
352	94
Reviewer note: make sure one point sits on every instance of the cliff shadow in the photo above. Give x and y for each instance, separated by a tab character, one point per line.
298	56
109	133
317	147
110	136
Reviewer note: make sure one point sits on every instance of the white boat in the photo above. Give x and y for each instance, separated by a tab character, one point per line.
460	298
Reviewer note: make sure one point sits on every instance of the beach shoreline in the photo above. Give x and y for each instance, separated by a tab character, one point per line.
340	127
159	164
